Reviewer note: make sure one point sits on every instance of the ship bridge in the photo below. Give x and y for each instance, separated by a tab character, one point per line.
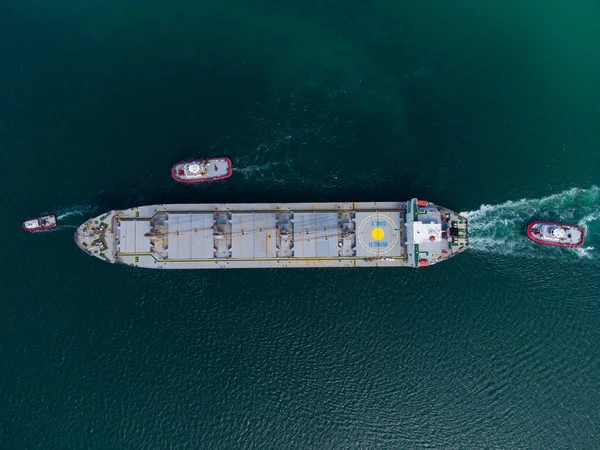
432	233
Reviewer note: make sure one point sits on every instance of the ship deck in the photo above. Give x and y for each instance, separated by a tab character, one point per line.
257	235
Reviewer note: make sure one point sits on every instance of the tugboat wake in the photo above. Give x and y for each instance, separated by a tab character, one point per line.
502	228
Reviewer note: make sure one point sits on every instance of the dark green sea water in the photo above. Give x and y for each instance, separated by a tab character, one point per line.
464	103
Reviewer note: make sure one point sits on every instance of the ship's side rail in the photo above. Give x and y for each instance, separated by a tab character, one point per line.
150	260
147	212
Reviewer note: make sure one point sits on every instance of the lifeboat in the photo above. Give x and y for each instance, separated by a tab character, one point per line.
201	170
40	223
556	233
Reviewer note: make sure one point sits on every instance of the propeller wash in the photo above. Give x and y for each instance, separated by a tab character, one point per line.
502	228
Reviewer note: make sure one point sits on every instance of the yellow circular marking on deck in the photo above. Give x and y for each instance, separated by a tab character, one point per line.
377	234
388	240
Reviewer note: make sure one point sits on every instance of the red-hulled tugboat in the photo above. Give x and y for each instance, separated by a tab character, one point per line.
556	233
200	170
40	223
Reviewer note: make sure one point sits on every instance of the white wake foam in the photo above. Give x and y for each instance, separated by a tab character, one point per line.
259	171
502	228
75	211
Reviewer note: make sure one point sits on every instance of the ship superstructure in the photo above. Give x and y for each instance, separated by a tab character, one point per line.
221	236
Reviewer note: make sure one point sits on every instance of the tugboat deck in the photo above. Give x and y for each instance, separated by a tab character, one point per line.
40	223
202	170
556	233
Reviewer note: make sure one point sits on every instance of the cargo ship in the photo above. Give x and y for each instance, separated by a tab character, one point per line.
415	233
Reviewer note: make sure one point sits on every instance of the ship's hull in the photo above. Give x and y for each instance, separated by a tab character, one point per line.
278	235
540	232
202	170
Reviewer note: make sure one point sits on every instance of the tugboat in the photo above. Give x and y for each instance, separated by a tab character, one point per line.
40	223
201	170
556	233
